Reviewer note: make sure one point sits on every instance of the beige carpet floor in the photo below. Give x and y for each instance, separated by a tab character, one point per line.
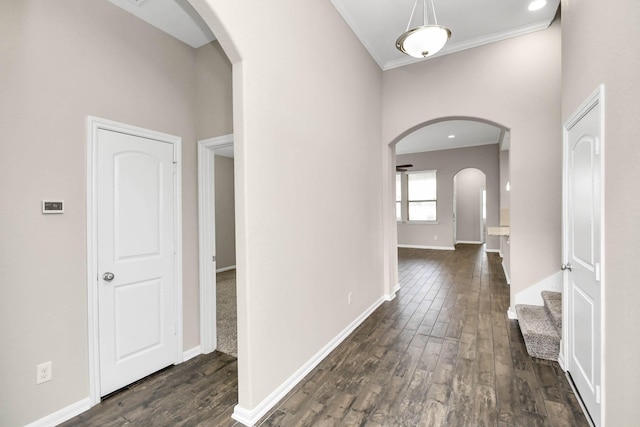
226	313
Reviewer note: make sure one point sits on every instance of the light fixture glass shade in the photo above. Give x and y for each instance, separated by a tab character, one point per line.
537	4
424	41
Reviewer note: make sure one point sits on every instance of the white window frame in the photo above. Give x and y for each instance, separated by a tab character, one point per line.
404	201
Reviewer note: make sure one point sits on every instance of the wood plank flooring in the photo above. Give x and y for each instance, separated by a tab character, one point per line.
443	353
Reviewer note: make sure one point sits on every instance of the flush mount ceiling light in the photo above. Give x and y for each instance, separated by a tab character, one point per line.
425	40
537	4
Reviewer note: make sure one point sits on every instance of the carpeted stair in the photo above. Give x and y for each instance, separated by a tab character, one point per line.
541	326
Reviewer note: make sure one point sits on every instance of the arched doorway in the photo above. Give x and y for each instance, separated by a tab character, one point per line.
448	146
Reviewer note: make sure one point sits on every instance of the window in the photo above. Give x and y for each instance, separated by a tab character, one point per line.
422	200
399	197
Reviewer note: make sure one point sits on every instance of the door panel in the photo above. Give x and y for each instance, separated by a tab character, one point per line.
583	331
137	330
135	185
138	215
582	240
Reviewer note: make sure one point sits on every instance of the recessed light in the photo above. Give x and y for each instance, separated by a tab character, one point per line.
451	136
537	4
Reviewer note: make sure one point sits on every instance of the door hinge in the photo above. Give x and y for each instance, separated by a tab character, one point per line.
597	147
175	328
213	258
597	271
597	394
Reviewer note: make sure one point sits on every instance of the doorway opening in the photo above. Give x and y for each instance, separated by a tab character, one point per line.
463	153
470	206
218	303
134	255
583	266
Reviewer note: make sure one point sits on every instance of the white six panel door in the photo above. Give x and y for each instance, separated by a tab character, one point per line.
136	245
583	239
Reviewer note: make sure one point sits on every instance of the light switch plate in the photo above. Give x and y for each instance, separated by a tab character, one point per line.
52	206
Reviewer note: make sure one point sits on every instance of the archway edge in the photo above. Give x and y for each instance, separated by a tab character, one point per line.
470	167
211	17
430	122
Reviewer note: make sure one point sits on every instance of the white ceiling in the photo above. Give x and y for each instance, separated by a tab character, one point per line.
436	136
378	23
175	17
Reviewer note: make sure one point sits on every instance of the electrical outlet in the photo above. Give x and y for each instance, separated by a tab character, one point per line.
435	237
44	372
349	298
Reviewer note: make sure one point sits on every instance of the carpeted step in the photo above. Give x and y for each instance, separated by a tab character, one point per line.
539	332
553	303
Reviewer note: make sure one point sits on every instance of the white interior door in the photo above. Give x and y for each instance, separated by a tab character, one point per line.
582	246
135	257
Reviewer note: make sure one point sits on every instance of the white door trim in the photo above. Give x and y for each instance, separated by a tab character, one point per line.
93	125
207	240
597	97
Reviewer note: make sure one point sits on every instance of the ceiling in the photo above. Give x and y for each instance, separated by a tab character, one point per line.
175	17
435	137
378	23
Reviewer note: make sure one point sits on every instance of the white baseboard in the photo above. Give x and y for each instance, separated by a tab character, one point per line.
191	353
220	270
511	314
470	242
561	358
250	417
506	275
392	295
440	248
79	407
495	251
63	414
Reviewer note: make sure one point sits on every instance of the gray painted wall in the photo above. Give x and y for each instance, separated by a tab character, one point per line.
308	182
515	83
60	63
225	212
448	163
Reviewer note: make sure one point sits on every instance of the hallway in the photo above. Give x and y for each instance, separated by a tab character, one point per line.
441	353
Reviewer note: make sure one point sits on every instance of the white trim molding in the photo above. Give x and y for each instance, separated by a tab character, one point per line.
391	296
506	274
251	417
532	294
191	353
468	44
94	124
207	238
62	415
223	269
469	242
439	248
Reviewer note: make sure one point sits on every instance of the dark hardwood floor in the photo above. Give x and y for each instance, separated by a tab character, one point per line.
443	353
